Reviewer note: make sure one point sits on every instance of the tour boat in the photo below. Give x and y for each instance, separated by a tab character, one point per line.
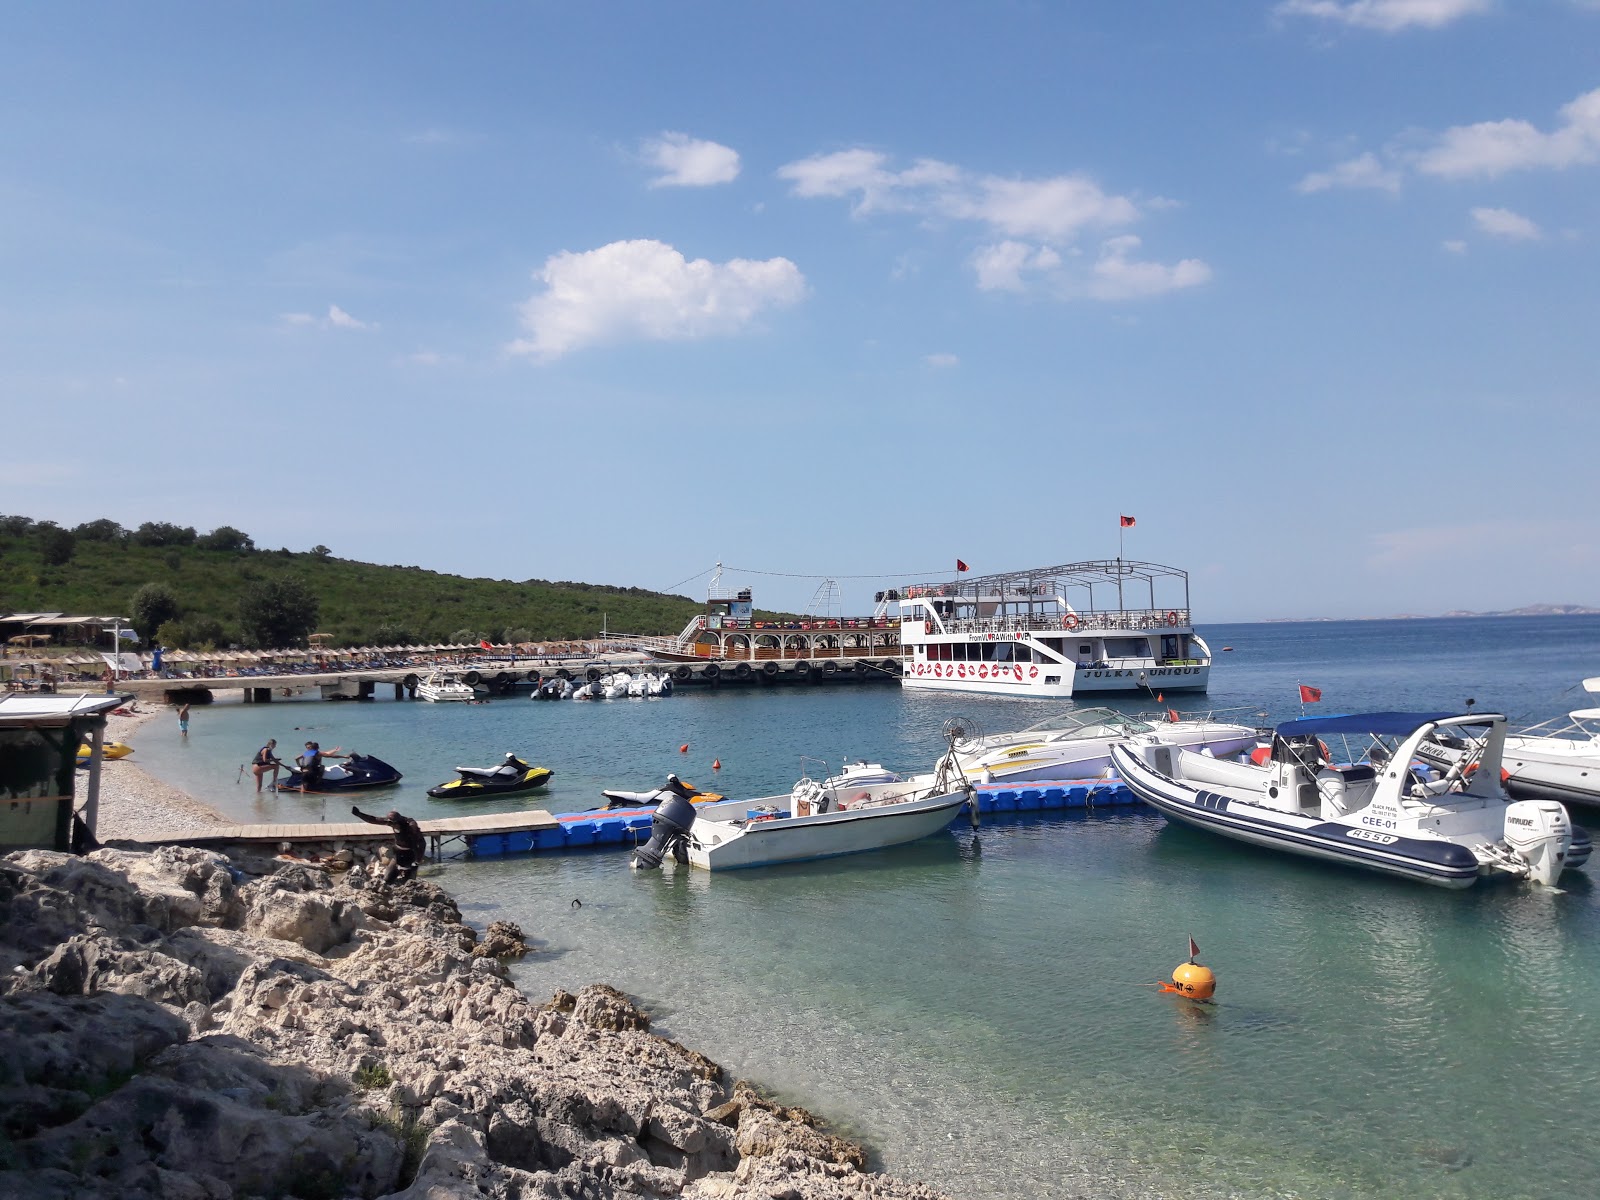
1381	814
1053	632
441	685
1076	744
813	821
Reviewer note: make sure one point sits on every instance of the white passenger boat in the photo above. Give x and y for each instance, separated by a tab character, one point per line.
442	685
1381	814
1053	632
813	821
1076	744
1558	759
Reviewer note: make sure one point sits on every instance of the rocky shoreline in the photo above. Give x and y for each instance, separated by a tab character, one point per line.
184	1027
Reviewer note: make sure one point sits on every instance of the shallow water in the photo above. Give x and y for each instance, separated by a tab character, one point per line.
979	1007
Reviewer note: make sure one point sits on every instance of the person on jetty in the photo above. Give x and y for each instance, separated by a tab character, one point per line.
311	762
266	759
409	843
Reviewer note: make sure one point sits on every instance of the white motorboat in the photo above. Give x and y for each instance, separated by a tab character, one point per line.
1381	814
615	687
1076	744
813	821
442	685
1053	632
1558	759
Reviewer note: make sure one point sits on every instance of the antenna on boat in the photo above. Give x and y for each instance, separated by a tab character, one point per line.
959	729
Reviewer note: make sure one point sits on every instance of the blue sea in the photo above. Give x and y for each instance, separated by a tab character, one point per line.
980	1007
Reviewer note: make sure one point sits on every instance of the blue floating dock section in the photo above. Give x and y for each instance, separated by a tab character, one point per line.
631	826
1048	795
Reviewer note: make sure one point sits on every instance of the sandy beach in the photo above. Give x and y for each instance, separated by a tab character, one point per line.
134	804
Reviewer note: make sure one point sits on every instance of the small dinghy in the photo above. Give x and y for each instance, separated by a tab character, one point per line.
357	773
481	783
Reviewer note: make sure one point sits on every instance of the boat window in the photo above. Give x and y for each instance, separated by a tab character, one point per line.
1127	647
1084	648
1022	653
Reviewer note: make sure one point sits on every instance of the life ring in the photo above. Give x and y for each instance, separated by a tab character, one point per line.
769	669
927	627
1172	618
1070	621
742	671
681	674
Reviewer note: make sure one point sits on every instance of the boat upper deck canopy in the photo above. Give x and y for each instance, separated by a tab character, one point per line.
1046	585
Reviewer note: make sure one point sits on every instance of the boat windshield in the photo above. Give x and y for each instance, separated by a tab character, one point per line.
1088	723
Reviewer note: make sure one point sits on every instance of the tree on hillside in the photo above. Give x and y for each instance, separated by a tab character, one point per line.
226	537
160	533
56	545
152	607
392	633
15	526
103	530
279	612
321	551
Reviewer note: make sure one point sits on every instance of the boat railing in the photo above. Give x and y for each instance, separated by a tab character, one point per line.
1116	620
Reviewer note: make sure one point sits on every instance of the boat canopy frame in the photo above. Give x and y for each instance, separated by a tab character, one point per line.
1057	583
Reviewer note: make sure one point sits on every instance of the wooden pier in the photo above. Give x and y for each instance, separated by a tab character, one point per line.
330	836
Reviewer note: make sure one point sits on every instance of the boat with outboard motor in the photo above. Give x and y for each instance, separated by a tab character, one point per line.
1053	632
1557	759
441	685
1382	814
1076	743
482	783
356	773
813	821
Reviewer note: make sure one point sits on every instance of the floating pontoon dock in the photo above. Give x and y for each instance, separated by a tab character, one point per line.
497	835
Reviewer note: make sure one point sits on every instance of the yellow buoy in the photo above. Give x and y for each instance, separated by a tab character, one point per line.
1193	980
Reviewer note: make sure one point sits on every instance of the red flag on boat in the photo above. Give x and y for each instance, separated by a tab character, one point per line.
960	566
1194	951
1127	522
485	644
1310	695
1172	715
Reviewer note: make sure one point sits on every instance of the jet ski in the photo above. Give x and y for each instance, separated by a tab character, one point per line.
354	774
480	783
674	786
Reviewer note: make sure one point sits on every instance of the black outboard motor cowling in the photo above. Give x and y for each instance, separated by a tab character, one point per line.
669	830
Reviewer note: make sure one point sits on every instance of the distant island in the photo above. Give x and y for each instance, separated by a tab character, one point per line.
1527	610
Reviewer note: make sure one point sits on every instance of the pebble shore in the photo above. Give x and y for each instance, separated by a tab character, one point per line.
134	804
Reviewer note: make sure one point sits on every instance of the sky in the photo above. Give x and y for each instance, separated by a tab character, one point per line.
614	292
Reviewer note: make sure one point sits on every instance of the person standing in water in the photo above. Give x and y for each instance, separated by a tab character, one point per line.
183	719
266	759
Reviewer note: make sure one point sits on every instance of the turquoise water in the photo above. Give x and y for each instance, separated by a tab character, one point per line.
979	1006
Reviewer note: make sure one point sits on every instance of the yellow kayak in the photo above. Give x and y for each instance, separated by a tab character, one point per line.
108	750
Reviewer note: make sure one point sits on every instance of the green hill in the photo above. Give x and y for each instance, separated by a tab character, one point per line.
98	567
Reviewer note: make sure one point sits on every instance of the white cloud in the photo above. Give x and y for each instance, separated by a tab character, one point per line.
1455	246
1364	171
1502	222
425	358
942	361
1036	221
1386	16
647	290
337	318
1492	148
1000	266
1057	208
689	162
1116	277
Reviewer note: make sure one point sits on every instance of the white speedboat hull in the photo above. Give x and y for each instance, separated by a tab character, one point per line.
1570	775
720	844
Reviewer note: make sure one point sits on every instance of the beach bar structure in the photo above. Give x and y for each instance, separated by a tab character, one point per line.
39	740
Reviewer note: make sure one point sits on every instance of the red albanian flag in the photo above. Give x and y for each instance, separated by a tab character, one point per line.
485	644
1128	522
1310	695
961	566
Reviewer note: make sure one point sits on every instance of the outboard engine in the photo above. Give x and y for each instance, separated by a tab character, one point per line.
669	827
1540	831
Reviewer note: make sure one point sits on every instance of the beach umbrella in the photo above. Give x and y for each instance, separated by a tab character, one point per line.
29	639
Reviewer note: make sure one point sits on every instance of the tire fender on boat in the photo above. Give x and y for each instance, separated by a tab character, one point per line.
472	677
742	671
830	668
592	674
681	674
712	671
769	669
